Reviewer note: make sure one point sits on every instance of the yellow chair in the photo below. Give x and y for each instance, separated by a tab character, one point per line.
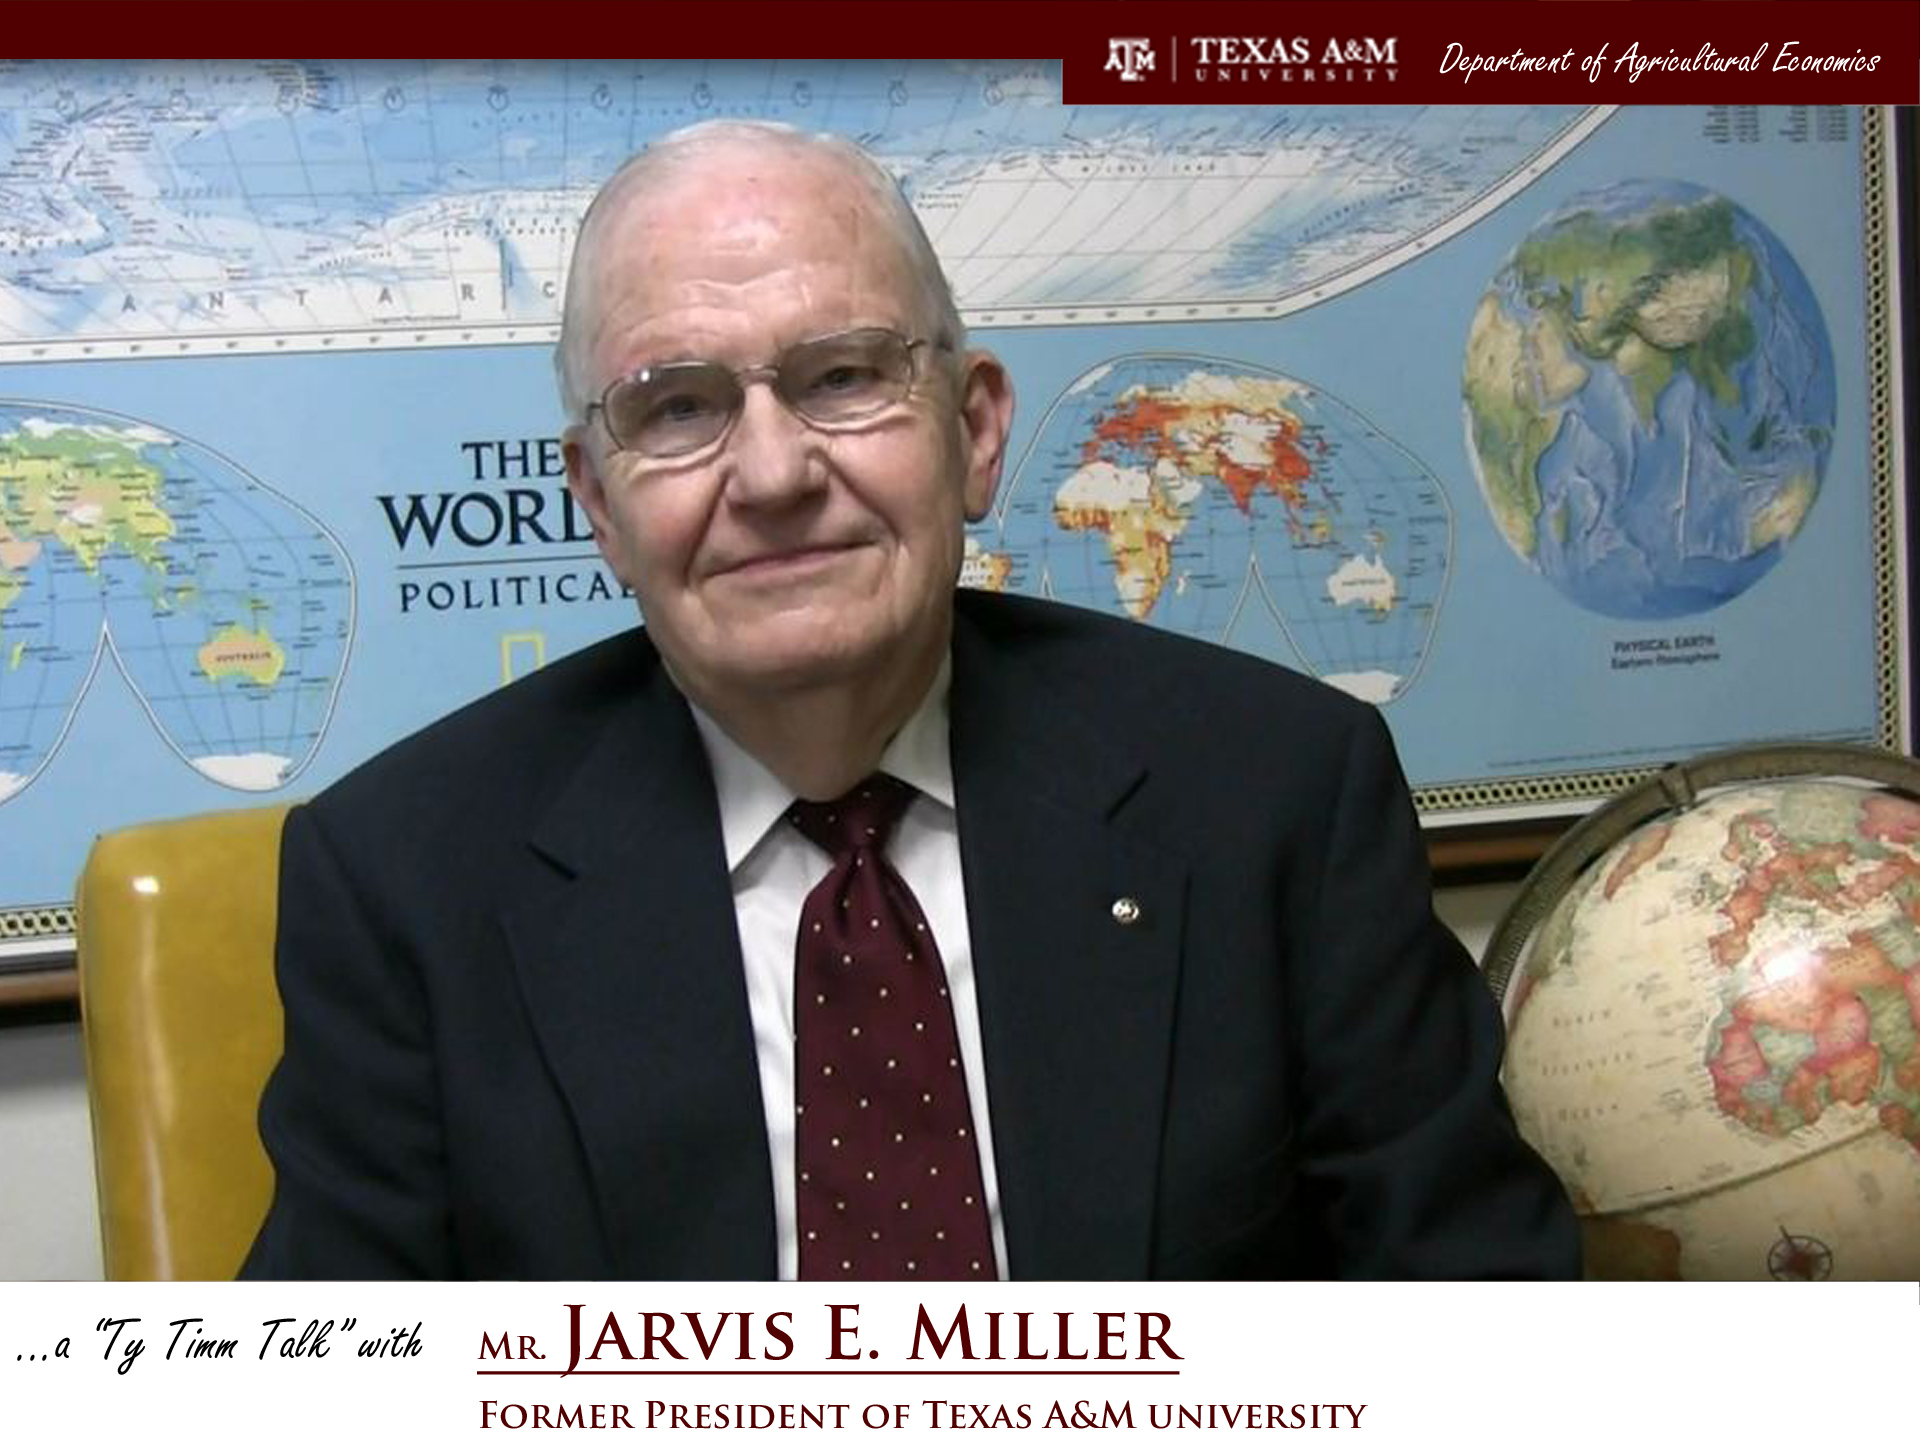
182	1025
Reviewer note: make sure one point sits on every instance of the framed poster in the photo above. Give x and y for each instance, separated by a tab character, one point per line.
1568	436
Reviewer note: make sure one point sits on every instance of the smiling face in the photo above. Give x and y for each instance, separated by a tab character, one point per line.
781	556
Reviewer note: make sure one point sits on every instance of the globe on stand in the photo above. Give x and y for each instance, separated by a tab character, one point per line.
1713	995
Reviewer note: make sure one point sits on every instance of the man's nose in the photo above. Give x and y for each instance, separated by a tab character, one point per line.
773	456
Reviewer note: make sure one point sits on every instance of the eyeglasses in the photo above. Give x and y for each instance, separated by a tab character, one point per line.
833	382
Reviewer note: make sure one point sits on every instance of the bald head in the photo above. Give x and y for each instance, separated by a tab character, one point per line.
639	197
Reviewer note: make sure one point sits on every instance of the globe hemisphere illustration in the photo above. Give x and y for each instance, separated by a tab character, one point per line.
1649	400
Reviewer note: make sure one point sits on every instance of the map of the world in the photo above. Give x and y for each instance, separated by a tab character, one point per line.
279	478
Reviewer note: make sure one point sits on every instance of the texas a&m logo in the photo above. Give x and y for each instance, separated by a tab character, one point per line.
1132	58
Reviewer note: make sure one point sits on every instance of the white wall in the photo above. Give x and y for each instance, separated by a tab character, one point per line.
1472	911
49	1219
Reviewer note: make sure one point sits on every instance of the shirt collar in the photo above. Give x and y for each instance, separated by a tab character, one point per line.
752	799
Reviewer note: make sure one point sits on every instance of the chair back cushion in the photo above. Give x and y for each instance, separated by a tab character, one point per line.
182	1025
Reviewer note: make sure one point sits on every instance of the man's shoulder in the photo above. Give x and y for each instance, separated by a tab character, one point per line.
1217	733
513	740
1129	666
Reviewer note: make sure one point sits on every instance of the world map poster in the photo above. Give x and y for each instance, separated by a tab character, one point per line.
1563	435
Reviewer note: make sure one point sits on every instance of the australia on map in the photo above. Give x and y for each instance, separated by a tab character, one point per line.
228	609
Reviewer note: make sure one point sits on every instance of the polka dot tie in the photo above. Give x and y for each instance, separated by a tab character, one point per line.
888	1171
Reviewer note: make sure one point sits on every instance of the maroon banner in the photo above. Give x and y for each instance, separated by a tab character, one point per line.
1185	51
1179	51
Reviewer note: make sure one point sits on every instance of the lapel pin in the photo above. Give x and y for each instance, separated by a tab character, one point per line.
1126	910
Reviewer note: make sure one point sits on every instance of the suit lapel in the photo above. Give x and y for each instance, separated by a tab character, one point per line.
1076	1007
628	957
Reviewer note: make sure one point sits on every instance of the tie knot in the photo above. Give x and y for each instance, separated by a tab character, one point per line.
861	819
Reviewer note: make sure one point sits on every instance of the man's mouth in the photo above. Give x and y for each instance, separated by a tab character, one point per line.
795	560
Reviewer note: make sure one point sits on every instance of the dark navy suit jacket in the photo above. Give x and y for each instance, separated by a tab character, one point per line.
518	1043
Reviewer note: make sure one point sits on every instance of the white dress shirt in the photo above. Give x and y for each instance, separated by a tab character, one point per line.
773	868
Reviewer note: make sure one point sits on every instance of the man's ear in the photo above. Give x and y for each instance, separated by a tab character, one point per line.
986	417
589	491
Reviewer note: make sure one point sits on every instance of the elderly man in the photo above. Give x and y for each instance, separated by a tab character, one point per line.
839	926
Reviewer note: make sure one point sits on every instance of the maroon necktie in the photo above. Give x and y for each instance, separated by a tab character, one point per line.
887	1166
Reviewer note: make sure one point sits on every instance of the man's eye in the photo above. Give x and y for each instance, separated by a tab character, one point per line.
680	409
840	378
